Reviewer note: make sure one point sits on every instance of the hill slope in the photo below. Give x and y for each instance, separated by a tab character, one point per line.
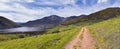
49	21
53	19
46	41
6	23
107	33
97	16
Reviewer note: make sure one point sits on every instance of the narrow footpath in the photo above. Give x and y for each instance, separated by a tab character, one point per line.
83	40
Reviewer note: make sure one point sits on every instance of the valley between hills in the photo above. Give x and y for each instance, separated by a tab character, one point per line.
99	30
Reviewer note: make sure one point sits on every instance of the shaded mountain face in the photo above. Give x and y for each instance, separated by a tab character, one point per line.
48	22
53	19
6	23
71	18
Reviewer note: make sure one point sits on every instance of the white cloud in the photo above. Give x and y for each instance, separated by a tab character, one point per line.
13	1
21	12
4	0
84	1
116	4
55	2
101	1
30	14
28	0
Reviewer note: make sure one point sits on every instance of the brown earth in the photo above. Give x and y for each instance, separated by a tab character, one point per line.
83	40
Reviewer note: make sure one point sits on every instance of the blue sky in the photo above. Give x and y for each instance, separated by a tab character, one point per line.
26	10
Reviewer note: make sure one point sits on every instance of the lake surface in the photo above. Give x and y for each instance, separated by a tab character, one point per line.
22	29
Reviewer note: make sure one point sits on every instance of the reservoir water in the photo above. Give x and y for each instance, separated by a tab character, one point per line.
22	29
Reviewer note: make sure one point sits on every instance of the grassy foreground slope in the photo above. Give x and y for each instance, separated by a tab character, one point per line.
6	37
107	33
46	41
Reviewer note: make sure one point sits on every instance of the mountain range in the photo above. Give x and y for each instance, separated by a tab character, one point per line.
101	29
104	14
6	23
49	21
54	20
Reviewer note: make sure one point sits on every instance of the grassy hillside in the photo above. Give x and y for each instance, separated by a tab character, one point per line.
46	41
97	16
7	37
57	29
107	33
4	37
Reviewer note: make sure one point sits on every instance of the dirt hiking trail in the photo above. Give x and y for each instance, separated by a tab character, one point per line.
83	40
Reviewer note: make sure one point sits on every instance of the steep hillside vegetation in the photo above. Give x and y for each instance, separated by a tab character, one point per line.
46	41
107	33
97	16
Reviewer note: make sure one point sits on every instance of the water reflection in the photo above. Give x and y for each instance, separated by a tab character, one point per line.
22	29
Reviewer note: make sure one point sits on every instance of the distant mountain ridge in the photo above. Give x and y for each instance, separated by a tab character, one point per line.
54	20
6	23
49	21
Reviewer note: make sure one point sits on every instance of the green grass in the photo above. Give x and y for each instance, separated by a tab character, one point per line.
45	41
6	37
60	28
107	33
